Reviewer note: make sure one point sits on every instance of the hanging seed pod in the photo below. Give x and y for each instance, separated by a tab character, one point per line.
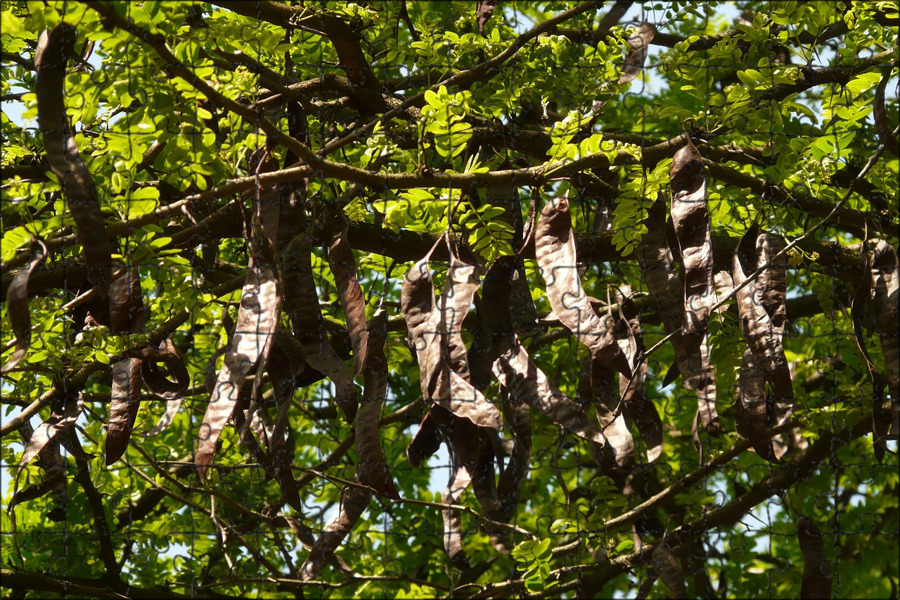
554	247
690	217
17	305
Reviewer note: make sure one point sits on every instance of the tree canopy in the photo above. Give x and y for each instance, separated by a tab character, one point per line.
470	299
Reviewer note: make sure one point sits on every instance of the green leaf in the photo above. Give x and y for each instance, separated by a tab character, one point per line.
750	77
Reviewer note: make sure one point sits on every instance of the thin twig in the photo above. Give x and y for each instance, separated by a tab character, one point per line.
347	483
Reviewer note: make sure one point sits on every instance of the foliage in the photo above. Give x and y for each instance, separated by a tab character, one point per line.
270	178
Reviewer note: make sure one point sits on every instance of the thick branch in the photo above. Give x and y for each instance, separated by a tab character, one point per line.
833	258
839	75
20	579
20	60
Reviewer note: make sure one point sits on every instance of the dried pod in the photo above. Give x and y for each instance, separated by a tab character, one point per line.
169	387
257	321
54	48
373	470
619	450
343	265
639	41
752	416
126	303
766	395
772	282
433	328
669	571
452	307
60	419
885	300
126	315
484	9
888	138
816	570
49	458
426	441
124	404
665	284
514	475
762	317
690	217
353	503
301	302
521	306
460	479
285	361
420	313
875	308
554	246
527	384
17	305
637	407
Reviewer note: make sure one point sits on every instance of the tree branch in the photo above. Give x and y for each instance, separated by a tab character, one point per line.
101	526
839	74
463	79
68	387
20	579
595	576
835	259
